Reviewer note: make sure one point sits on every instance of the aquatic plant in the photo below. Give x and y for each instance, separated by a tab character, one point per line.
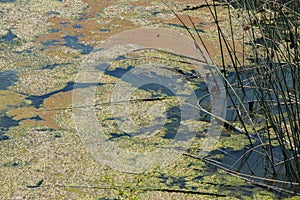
260	66
264	92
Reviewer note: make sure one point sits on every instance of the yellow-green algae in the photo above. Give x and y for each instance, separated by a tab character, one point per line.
50	149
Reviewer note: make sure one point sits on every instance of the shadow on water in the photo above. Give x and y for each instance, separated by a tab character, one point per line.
173	118
262	161
253	164
159	86
247	100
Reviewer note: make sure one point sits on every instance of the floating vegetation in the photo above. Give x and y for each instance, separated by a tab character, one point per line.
42	44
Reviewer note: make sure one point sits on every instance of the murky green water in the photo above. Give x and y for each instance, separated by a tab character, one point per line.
42	45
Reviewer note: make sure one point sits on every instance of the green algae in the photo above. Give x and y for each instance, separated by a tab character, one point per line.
37	151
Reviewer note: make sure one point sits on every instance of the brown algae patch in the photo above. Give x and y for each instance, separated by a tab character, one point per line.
10	98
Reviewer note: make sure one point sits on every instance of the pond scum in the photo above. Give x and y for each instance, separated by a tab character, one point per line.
43	42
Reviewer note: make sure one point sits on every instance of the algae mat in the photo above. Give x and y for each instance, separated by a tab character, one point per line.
43	44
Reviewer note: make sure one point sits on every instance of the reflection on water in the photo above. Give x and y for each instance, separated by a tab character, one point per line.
254	164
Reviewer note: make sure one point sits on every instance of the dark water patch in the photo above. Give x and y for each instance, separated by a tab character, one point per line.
64	24
157	84
36	118
99	49
250	96
45	129
7	1
77	26
201	24
3	137
27	51
82	18
173	122
187	74
118	135
225	134
37	101
157	90
52	30
8	78
202	90
156	13
51	13
52	66
245	97
5	123
38	184
57	135
198	178
104	30
159	87
172	181
255	162
72	42
120	58
9	37
12	164
49	42
118	72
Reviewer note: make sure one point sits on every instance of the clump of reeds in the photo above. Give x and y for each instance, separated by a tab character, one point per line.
271	28
264	93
